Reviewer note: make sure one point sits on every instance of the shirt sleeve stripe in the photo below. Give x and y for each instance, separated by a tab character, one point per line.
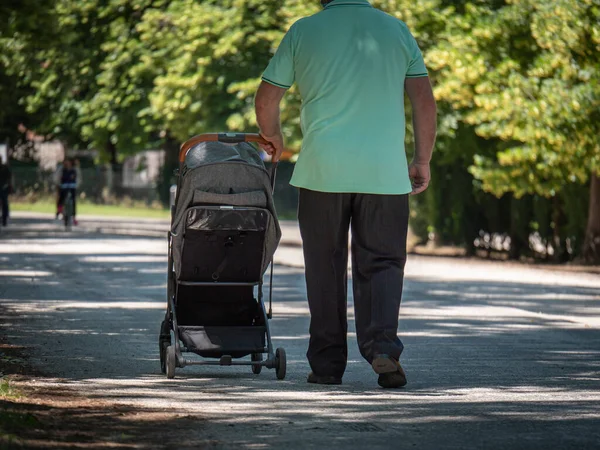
275	83
416	75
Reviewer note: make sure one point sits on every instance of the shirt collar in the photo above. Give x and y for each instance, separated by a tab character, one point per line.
347	3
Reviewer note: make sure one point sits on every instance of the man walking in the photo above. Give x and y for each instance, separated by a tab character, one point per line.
5	190
352	64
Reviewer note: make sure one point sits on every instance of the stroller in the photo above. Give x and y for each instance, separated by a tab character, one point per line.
224	232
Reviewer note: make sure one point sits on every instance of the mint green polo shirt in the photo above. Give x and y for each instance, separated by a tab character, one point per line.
349	62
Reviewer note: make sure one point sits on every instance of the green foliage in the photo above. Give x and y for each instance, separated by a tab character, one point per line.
24	28
527	73
6	390
87	80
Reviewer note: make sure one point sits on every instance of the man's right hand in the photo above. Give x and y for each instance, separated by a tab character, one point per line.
420	176
274	146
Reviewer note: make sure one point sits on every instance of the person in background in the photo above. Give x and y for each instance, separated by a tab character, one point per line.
68	183
352	64
6	187
56	180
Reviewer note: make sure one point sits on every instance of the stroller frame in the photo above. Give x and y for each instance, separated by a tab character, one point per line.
171	355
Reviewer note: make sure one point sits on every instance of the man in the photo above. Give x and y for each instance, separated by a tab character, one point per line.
352	63
5	190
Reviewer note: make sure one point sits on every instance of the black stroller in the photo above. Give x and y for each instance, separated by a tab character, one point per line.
224	232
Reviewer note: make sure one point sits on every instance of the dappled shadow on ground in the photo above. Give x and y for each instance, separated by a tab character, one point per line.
490	364
62	418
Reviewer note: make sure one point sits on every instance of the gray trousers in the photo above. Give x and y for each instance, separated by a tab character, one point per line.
379	227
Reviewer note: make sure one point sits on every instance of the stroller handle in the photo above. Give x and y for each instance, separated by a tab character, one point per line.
227	138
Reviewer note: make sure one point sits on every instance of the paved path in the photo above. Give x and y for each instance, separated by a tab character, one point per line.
497	356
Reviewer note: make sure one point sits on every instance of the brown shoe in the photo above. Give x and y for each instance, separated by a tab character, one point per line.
325	379
391	374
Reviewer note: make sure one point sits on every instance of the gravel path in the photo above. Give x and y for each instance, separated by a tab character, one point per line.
497	356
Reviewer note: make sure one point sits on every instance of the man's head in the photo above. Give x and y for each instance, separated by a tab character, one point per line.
68	164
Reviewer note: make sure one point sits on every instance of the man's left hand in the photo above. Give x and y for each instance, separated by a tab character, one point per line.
420	176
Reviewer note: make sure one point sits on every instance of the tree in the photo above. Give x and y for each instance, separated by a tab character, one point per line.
87	82
528	73
25	28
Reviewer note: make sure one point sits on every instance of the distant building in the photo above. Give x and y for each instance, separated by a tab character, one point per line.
139	171
142	170
49	154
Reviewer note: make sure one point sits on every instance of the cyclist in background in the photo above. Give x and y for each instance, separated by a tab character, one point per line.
5	190
68	183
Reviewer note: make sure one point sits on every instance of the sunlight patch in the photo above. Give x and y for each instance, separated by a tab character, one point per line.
25	273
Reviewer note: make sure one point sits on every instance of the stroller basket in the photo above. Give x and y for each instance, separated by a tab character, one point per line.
212	341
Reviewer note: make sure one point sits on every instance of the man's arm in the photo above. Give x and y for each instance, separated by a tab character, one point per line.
425	124
268	98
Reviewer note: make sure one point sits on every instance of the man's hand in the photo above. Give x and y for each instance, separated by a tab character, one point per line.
274	146
420	176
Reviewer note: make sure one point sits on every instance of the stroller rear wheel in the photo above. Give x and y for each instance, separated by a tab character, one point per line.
281	367
164	340
163	356
171	361
256	368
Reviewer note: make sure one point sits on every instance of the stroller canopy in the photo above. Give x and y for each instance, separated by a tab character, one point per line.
223	174
216	152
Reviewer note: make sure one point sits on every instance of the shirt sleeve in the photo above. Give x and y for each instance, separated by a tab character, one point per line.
416	65
280	71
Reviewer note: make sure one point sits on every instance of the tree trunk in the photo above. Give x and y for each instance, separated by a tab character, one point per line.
520	216
559	242
111	149
113	179
591	244
167	177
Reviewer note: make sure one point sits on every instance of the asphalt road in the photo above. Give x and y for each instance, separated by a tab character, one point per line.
497	356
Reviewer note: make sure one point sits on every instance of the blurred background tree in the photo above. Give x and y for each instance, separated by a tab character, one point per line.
517	81
527	74
25	28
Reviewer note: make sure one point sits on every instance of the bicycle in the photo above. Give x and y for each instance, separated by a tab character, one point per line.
68	211
68	203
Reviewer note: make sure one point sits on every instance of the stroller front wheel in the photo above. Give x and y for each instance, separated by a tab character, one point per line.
281	367
171	361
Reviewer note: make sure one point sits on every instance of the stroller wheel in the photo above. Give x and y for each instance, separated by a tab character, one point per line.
171	362
163	355
281	367
255	368
164	340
